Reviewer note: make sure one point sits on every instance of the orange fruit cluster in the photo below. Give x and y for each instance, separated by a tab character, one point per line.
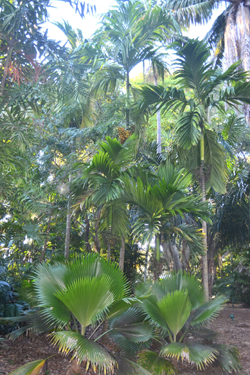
123	134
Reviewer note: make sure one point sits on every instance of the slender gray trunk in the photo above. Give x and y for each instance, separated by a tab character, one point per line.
167	254
146	263
97	222
46	239
127	104
176	257
122	254
158	115
185	255
87	230
144	72
68	224
204	224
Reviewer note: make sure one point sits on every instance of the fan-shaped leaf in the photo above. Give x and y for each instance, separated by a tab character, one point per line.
175	309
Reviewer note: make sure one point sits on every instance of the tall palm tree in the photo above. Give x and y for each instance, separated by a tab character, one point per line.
130	31
230	33
193	127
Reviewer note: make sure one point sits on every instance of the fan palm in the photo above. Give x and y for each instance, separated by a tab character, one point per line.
193	127
175	308
82	294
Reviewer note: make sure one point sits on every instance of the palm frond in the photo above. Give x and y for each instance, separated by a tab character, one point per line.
208	311
93	293
30	368
83	349
156	364
201	355
182	281
175	309
228	358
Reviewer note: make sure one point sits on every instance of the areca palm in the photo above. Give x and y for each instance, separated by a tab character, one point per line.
131	31
103	184
230	33
159	201
193	127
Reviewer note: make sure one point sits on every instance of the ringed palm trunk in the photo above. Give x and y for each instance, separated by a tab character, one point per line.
46	238
127	97
146	263
122	254
204	224
158	115
68	225
237	40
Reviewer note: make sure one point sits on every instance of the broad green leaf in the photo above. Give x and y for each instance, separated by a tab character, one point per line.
128	367
182	281
132	326
175	309
153	312
208	311
156	364
119	307
30	368
87	297
49	280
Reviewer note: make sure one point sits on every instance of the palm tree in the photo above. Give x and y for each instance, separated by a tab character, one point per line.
103	186
196	141
175	308
158	202
230	33
75	299
130	31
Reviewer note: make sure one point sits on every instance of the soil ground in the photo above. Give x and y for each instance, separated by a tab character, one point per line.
26	349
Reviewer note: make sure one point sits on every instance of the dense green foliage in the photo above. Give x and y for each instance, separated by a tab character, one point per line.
81	173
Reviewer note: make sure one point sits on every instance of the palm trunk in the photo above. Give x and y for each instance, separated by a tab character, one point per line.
87	230
68	225
46	239
122	254
109	251
158	115
127	104
144	71
96	238
146	263
204	224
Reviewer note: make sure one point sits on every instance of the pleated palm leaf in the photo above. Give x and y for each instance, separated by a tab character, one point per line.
175	308
83	289
82	294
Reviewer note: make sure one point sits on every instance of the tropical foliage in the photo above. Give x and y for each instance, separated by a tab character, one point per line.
82	294
115	173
